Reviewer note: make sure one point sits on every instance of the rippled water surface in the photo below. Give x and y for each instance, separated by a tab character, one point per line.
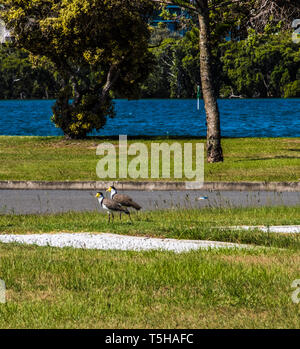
239	118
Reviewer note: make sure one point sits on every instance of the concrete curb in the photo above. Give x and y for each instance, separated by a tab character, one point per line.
155	185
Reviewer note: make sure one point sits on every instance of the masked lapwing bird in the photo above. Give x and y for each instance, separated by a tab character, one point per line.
111	206
122	199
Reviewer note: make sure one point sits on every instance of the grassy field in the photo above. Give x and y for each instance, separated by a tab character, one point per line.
53	158
69	288
72	288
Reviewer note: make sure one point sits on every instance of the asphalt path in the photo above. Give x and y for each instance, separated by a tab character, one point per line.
55	201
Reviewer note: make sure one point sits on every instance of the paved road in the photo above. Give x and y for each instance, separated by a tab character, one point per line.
52	201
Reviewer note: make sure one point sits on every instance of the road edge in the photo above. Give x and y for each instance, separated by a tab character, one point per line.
151	185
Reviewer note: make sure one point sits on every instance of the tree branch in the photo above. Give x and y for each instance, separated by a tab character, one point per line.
112	77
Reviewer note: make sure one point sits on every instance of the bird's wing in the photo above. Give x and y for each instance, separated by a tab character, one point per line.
112	205
126	201
123	199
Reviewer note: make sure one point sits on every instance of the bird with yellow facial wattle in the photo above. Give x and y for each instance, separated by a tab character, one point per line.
122	199
111	206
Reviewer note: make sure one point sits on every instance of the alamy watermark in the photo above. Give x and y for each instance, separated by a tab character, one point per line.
2	292
296	33
188	160
296	293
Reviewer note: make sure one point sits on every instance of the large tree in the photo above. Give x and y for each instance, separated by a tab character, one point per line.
96	47
213	135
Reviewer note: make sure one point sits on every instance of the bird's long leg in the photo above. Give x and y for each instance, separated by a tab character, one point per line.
108	217
112	215
130	217
120	216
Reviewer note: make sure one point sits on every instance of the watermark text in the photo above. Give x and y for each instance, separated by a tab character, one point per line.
159	160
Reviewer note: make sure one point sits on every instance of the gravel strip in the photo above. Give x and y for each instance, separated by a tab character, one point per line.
114	242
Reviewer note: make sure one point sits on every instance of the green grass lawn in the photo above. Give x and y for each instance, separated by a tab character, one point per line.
74	288
53	158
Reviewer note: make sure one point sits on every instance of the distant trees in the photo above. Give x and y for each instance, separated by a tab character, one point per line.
262	65
19	78
259	66
95	46
176	72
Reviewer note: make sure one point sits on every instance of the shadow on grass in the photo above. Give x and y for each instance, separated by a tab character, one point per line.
271	158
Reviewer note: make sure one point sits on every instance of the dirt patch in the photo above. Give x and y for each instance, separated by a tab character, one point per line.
70	144
31	296
259	260
297	141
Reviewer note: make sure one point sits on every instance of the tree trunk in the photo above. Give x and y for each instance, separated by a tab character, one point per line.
213	146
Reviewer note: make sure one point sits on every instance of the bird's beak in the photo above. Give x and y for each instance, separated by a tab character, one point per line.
97	195
109	189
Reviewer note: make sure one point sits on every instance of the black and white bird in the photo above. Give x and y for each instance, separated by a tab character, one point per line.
111	206
122	199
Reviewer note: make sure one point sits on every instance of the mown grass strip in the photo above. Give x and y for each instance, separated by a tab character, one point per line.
57	159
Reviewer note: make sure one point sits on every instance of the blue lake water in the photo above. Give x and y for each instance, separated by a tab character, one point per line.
239	118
